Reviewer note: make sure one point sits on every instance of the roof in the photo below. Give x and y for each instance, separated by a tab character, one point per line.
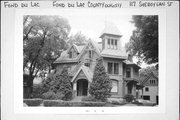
127	62
146	79
110	28
79	48
88	73
114	53
65	56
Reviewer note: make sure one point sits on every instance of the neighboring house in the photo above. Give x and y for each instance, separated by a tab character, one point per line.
149	90
81	61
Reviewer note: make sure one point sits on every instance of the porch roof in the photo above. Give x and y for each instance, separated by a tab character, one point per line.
87	72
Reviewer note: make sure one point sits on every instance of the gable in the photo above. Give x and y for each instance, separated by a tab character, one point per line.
151	81
83	73
89	46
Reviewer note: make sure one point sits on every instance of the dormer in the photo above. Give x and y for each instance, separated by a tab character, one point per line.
73	52
111	37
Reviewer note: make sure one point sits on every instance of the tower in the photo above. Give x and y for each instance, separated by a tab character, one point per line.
111	37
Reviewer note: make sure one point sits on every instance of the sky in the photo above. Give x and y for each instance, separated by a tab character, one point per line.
91	22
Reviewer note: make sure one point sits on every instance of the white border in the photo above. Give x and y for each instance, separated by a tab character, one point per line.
18	64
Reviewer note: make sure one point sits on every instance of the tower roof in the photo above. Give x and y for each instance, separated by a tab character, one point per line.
110	28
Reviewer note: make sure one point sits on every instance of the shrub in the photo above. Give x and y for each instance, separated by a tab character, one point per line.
89	98
101	85
63	85
50	95
37	91
91	104
129	97
33	102
56	103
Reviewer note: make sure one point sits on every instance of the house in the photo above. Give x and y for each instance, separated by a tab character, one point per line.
149	89
81	61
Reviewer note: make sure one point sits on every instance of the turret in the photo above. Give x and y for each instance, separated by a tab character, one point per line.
111	37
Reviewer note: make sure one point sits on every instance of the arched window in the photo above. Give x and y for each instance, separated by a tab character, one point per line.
114	86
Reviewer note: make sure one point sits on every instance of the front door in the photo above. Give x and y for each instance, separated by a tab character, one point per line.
82	87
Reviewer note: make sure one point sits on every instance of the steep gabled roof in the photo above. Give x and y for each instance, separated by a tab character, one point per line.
87	72
110	28
93	44
78	48
64	58
147	78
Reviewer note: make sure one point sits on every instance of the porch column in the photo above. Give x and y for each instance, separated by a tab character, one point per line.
88	88
75	88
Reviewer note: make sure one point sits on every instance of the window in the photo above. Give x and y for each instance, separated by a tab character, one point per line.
146	97
152	81
116	68
115	44
110	68
146	89
70	55
90	53
69	69
108	43
112	43
128	72
87	64
114	86
113	68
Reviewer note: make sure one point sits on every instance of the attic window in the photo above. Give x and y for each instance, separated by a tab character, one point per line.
70	55
112	43
152	81
90	53
108	43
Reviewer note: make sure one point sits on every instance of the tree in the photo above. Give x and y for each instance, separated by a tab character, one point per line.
144	40
145	72
43	41
78	39
63	85
101	85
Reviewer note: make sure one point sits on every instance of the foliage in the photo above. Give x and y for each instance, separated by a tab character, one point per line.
52	96
48	83
89	98
144	72
43	40
63	85
93	104
37	91
78	39
129	97
144	40
101	85
33	102
56	103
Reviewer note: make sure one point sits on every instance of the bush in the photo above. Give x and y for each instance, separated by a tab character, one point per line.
33	102
89	98
93	104
129	97
50	95
63	84
101	85
37	91
56	103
